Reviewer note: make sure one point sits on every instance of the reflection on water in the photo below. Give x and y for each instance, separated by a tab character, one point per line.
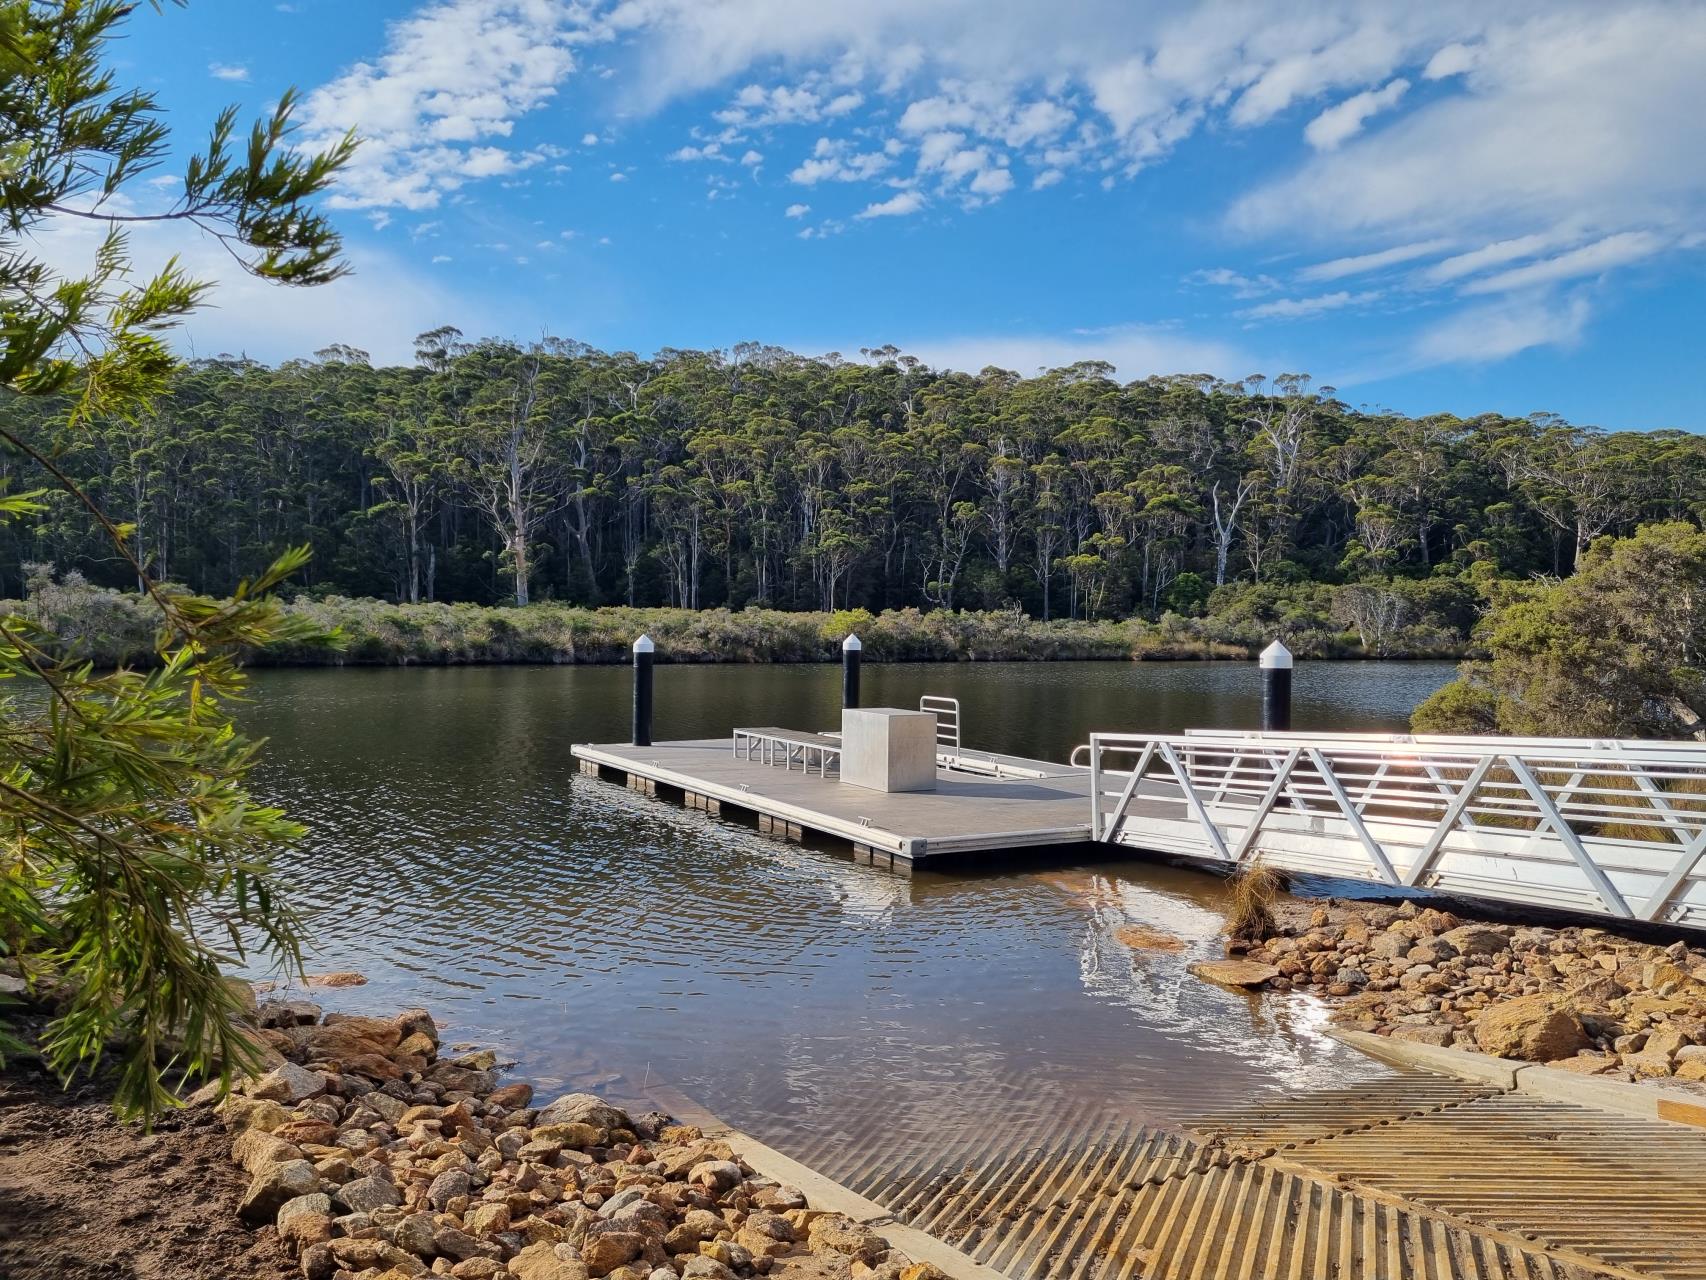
605	939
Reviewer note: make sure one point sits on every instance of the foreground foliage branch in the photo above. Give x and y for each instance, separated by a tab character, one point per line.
136	866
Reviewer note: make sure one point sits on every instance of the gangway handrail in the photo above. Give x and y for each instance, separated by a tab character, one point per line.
947	722
1615	827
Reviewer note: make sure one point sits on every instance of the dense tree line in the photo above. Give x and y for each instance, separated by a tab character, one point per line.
490	472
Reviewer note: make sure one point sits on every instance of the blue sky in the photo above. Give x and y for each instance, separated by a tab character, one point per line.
1448	206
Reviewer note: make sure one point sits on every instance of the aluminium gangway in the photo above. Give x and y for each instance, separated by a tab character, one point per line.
1609	827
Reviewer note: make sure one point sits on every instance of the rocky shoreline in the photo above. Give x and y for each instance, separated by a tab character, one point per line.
1583	999
373	1158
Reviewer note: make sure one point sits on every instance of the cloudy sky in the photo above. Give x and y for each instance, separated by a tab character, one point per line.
1449	205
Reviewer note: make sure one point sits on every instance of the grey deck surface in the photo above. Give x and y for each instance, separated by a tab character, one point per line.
967	811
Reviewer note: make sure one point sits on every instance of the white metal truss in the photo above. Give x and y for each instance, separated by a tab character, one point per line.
1612	827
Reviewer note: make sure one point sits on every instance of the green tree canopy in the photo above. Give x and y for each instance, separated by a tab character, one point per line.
1617	650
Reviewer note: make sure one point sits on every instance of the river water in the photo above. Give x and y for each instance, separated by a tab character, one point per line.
605	940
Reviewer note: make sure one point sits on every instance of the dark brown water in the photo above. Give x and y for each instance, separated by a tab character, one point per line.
602	938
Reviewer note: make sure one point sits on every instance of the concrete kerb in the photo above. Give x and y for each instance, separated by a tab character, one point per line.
1652	1102
824	1193
1479	1067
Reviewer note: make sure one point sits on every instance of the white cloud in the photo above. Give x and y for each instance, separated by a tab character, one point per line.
1135	351
796	211
1453	60
1345	119
836	160
1483	334
1593	111
752	158
1242	286
896	206
707	151
1360	263
227	71
589	139
1591	259
1495	254
453	74
1302	308
1047	178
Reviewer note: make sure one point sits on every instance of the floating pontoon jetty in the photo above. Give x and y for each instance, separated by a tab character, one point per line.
1600	827
981	804
1616	829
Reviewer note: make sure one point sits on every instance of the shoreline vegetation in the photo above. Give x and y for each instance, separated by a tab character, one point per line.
115	628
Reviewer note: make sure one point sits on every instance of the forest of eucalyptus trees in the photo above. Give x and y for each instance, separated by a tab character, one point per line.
502	473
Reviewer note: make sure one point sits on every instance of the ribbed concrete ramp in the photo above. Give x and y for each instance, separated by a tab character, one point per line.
1256	1220
1287	1119
1408	1176
1627	1192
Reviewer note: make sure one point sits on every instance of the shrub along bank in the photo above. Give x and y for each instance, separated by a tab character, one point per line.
1411	620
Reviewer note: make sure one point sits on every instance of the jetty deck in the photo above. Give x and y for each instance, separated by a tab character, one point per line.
985	802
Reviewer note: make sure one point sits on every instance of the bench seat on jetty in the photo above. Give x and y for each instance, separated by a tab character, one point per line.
791	745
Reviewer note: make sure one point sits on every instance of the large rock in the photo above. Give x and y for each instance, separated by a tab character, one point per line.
1235	973
273	1186
351	1037
416	1022
255	1149
584	1108
716	1175
766	1233
415	1234
541	1262
447	1186
1663	978
1389	946
364	1195
453	1242
1532	1028
253	1113
288	1013
288	1083
317	1202
511	1096
303	1230
834	1233
608	1250
1477	939
461	1079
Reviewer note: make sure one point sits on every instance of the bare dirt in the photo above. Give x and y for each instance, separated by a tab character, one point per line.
84	1196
